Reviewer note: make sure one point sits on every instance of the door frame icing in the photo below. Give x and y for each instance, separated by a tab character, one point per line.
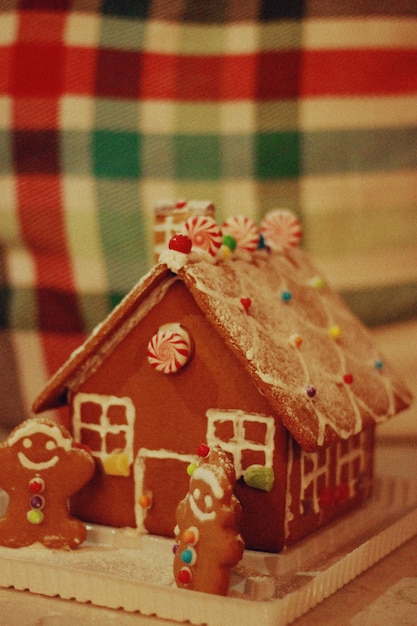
139	468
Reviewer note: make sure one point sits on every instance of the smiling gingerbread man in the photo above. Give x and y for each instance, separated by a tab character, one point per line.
40	469
208	542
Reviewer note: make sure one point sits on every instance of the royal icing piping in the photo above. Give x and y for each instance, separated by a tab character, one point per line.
91	364
139	471
104	427
347	459
39	466
34	427
238	443
202	473
245	332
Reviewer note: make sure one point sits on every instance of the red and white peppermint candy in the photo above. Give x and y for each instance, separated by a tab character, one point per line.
281	229
243	230
204	233
169	349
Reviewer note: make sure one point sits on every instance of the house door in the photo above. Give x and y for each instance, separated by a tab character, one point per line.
161	481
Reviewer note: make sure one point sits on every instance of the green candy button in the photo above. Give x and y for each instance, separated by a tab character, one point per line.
259	477
34	516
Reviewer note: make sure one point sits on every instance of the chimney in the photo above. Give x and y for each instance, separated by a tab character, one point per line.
169	218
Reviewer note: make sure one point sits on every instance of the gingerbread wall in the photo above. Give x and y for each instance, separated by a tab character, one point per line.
171	416
327	483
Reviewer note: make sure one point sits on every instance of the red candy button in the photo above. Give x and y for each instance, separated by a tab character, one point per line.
180	243
36	485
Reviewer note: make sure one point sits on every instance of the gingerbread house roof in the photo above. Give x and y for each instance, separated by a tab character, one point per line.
306	352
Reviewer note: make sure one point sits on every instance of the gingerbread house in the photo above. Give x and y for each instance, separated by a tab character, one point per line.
232	339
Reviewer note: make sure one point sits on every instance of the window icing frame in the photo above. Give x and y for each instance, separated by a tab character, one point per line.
104	427
238	443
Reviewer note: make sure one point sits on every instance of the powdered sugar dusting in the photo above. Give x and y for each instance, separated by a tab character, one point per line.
282	301
134	562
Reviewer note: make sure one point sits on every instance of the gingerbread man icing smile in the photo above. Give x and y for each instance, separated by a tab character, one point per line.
40	469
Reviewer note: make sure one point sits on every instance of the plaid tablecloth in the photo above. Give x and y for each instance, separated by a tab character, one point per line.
108	106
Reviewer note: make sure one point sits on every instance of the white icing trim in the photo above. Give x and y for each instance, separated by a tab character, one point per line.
104	427
37	467
238	443
203	517
139	476
92	363
354	453
207	476
33	427
248	333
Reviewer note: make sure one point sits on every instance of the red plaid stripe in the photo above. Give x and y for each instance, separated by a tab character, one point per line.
38	59
358	72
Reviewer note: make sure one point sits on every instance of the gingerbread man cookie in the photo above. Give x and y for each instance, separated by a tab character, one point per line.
207	534
40	469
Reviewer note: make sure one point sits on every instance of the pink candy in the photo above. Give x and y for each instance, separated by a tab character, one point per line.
169	349
244	231
281	229
204	233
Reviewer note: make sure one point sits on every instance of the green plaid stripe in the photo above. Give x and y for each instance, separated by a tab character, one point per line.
124	154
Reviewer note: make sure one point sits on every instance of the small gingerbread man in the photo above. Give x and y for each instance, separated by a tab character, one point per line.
40	469
208	540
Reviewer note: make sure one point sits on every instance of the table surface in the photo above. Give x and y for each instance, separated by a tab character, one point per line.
387	590
385	593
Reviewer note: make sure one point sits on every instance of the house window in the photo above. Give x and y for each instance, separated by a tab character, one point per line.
331	473
247	437
105	425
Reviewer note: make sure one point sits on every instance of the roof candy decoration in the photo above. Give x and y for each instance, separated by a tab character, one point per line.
280	229
244	231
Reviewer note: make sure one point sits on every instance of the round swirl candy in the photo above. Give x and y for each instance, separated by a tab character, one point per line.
204	233
244	231
169	349
281	229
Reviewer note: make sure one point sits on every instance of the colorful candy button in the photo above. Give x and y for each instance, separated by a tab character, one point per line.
191	535
246	303
185	576
335	332
37	502
189	556
191	469
36	485
229	242
145	501
317	282
35	516
180	243
295	340
311	391
203	450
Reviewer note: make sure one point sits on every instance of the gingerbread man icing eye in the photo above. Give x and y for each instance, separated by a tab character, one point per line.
50	445
196	494
208	501
27	443
169	349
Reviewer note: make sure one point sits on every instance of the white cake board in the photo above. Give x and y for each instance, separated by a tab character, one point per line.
119	569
